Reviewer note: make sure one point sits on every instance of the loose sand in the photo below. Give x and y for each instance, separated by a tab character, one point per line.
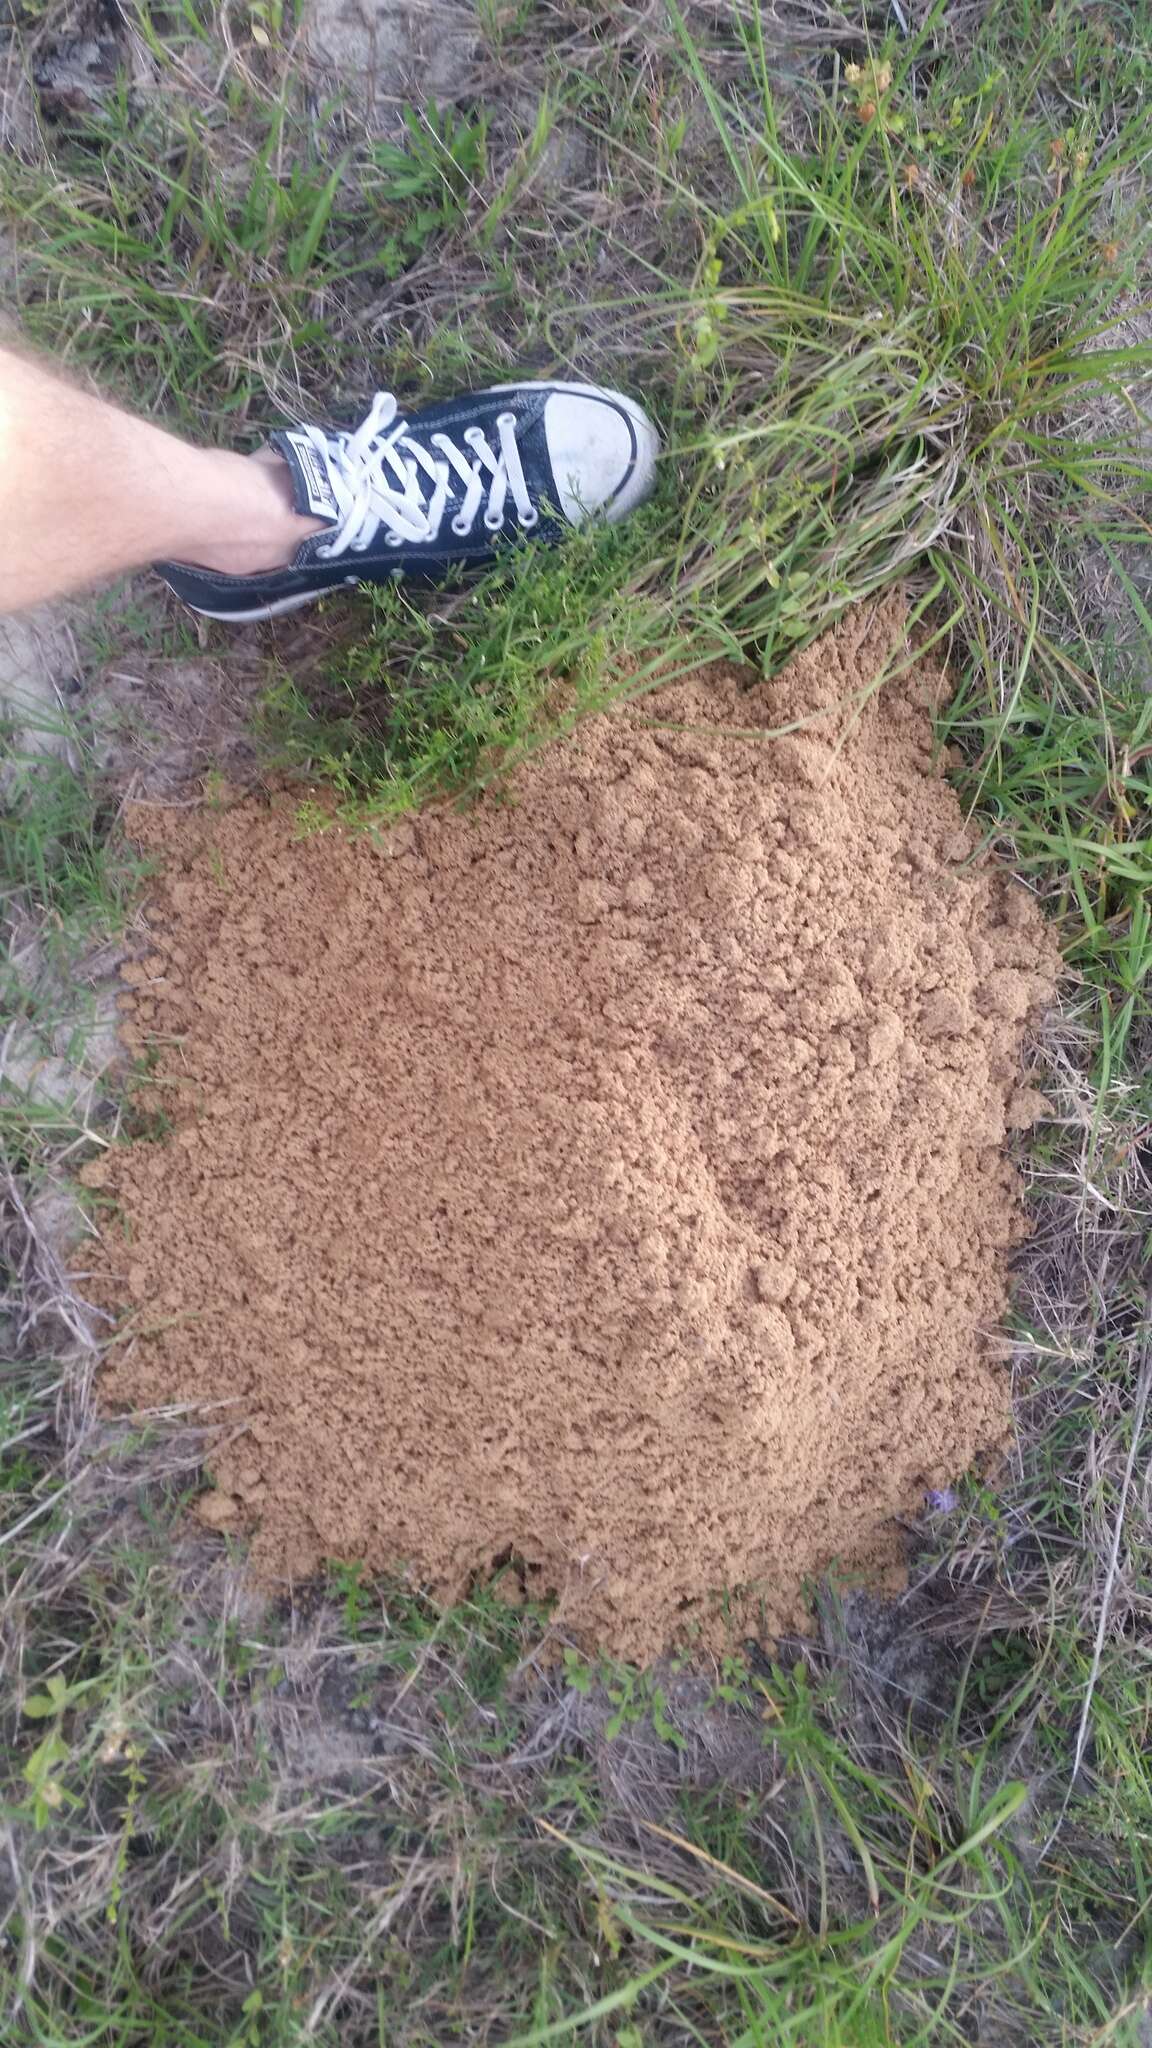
613	1178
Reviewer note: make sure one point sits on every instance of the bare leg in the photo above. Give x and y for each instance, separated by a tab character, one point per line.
88	491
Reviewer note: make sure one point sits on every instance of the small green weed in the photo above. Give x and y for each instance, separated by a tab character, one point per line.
1061	775
216	245
416	707
53	834
634	1695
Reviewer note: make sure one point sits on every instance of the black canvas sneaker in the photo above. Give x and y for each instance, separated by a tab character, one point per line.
424	493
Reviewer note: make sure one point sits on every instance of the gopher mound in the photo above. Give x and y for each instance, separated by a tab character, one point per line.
610	1179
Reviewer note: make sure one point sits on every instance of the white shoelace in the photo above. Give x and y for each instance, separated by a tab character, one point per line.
381	475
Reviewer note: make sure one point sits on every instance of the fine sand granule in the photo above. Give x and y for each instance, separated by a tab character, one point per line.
612	1178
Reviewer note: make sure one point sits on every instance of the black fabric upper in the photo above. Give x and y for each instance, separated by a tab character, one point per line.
430	561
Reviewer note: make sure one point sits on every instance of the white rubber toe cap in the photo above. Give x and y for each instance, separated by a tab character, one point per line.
602	448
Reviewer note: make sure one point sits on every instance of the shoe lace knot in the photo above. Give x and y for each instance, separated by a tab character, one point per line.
386	475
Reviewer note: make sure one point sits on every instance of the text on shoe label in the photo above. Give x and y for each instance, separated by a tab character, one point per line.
320	499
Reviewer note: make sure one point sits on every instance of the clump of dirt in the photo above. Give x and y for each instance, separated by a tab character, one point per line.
612	1178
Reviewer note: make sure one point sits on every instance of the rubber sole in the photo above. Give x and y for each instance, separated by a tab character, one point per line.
271	611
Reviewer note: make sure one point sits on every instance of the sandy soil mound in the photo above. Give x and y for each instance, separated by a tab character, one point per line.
613	1177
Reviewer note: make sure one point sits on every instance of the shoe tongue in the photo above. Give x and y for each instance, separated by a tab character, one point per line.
308	467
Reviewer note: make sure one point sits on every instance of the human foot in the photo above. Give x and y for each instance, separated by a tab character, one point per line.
424	494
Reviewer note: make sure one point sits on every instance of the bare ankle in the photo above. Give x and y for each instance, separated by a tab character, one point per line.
246	522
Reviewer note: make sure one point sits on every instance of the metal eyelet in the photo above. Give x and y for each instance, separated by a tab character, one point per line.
505	419
472	435
493	525
461	526
395	540
530	519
